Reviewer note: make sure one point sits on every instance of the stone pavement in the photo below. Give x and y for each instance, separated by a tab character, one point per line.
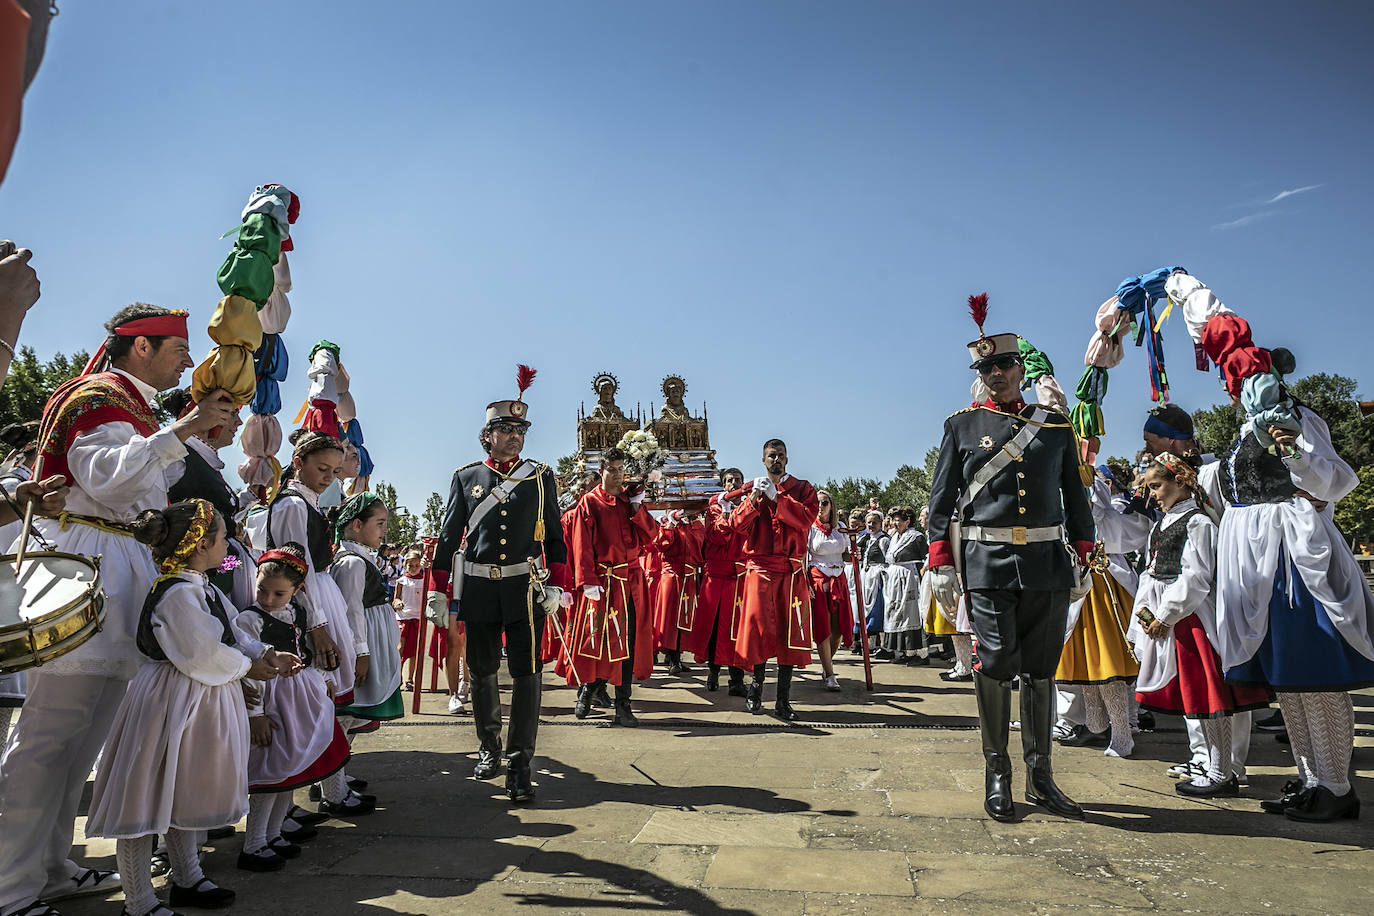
871	805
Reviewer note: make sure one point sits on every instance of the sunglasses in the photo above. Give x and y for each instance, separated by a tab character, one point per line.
510	428
1003	362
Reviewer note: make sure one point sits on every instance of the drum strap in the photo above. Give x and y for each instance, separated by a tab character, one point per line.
90	521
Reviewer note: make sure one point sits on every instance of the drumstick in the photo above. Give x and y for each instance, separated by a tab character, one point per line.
28	520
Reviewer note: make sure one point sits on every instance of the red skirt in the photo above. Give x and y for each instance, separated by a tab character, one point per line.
830	600
775	620
1199	691
410	640
327	764
720	596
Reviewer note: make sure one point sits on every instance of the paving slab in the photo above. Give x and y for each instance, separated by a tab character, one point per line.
880	873
695	828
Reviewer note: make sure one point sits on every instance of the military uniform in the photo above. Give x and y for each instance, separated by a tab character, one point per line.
1006	501
505	521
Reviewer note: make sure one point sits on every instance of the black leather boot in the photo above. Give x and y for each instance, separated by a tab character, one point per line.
624	715
994	719
583	706
713	679
736	682
782	706
486	714
1037	723
525	697
674	659
753	696
601	699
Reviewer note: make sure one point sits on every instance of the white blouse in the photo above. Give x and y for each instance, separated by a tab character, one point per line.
826	551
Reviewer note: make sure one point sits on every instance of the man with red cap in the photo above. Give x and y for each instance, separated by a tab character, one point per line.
100	434
774	524
1006	500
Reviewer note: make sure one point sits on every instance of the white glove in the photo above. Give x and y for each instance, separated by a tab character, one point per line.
944	585
436	609
552	600
1084	578
591	592
638	497
766	486
726	507
565	599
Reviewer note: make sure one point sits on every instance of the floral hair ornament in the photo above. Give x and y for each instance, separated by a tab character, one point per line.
1186	476
201	523
355	507
285	556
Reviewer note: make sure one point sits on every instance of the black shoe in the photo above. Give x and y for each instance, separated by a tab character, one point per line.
917	661
301	834
284	848
357	784
351	806
952	676
1146	720
713	680
624	715
753	699
313	793
262	860
219	833
1080	736
1292	792
304	817
488	764
212	898
1041	790
601	699
784	711
1229	788
583	706
997	789
519	787
1319	805
1272	723
880	655
676	668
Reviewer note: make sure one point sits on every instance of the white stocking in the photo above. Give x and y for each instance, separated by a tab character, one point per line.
281	803
963	652
183	853
134	858
1134	714
334	788
1299	736
1331	729
1114	697
260	806
1217	733
1094	709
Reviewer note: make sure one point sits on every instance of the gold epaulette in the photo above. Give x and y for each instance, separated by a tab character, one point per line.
470	465
965	410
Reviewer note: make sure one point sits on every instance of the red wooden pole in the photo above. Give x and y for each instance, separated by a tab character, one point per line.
422	646
859	600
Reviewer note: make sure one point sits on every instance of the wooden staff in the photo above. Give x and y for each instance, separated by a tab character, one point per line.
859	600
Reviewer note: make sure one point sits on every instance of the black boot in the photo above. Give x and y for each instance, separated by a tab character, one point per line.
736	682
713	679
486	714
600	698
1037	723
782	706
525	697
674	659
624	715
994	718
583	705
753	697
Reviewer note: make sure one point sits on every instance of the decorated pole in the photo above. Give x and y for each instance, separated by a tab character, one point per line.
859	600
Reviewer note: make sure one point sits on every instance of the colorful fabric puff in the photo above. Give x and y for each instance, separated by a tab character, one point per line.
1091	390
1226	340
1040	373
322	417
1134	291
230	368
260	440
323	374
353	434
277	311
1199	304
1265	403
347	407
1105	348
265	223
272	363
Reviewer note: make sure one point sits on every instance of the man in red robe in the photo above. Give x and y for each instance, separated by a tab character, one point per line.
774	523
715	624
675	602
607	531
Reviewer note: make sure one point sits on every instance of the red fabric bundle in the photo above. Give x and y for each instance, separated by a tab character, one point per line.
1226	340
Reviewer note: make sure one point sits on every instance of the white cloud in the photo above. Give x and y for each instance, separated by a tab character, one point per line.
1302	190
1247	219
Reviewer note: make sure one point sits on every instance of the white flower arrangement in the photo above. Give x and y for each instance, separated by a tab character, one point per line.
643	455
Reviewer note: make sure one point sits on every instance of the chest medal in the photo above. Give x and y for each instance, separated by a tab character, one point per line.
985	443
477	491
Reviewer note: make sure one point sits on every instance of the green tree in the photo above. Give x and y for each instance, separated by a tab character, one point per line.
401	526
31	382
932	459
909	487
1217	427
433	518
852	492
1333	399
1355	513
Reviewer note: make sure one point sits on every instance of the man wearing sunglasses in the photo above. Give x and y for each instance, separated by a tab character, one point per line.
501	528
1007	495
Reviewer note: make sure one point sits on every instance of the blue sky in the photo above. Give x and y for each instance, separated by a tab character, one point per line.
788	203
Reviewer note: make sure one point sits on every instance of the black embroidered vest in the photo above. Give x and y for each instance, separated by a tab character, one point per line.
318	544
201	481
1166	548
374	585
283	636
1250	475
146	638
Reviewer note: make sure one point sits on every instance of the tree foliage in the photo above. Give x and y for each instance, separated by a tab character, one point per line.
31	382
401	528
1217	427
433	519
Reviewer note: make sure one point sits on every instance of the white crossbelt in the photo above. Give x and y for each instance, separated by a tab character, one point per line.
1013	535
487	571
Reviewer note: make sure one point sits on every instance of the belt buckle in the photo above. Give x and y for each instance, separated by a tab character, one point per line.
1018	534
494	572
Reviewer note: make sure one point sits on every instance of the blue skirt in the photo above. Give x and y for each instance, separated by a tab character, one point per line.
1302	652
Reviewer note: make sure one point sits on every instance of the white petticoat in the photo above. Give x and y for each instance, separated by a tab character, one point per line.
177	756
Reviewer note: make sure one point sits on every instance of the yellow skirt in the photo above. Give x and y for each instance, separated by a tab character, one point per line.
936	624
1097	651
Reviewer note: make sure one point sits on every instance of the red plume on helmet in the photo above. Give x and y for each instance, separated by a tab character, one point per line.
524	377
978	308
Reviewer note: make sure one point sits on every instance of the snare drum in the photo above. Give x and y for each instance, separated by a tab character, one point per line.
56	605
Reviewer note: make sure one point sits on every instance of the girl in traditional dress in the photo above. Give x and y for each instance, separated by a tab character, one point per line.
1293	608
359	530
176	759
1175	635
296	738
294	516
905	558
409	605
826	552
1097	656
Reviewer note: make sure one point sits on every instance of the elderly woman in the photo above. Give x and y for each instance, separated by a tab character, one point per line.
905	558
873	564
